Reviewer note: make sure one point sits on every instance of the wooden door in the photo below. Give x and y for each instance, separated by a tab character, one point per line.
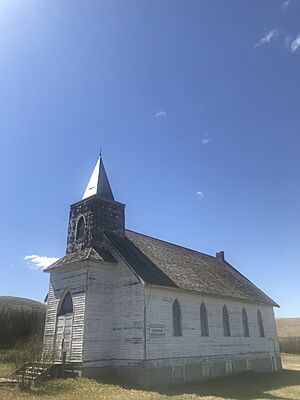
63	337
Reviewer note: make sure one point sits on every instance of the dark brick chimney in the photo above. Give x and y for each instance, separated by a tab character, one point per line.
220	255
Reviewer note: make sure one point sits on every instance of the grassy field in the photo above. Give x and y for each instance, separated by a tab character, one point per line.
288	330
288	327
284	385
20	302
5	370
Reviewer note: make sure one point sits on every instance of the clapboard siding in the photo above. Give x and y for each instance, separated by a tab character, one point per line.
191	343
114	314
98	318
109	321
128	315
50	323
73	280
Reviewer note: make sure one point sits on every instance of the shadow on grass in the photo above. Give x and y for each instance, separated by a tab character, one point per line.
49	388
244	386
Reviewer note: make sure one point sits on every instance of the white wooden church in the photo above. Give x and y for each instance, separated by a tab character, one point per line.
124	303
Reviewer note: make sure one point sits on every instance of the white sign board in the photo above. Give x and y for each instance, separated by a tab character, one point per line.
157	330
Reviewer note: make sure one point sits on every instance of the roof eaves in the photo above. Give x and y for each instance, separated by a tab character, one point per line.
199	293
257	288
141	264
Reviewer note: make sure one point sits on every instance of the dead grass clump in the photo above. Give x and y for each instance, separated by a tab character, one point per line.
289	345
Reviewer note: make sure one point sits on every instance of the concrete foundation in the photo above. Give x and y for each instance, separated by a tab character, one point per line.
147	375
96	372
279	364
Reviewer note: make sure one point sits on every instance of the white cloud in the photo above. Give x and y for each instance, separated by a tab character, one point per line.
267	38
295	44
292	44
206	139
160	114
284	5
200	194
287	42
36	262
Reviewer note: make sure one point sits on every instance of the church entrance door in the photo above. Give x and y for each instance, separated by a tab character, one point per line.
64	328
64	337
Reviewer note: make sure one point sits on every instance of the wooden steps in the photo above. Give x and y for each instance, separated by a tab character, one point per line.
33	372
8	382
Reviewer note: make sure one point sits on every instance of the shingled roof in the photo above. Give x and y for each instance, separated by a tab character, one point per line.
166	264
87	254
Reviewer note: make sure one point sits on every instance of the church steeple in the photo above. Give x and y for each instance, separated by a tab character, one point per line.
95	214
99	183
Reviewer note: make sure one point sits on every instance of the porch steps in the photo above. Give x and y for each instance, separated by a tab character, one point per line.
8	382
33	372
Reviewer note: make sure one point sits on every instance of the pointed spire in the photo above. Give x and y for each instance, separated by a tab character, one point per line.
99	183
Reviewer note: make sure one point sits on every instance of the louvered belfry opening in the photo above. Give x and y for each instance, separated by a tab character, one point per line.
80	229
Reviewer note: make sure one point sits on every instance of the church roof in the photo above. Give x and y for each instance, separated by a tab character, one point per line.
165	264
99	183
87	254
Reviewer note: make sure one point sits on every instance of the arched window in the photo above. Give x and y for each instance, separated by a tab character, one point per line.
245	323
66	306
260	324
226	325
203	320
177	328
80	228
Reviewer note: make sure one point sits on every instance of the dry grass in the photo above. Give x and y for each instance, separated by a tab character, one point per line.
288	330
6	370
284	385
288	327
289	345
291	362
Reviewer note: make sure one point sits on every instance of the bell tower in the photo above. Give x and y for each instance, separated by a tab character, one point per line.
96	213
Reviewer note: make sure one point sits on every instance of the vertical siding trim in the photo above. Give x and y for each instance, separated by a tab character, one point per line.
85	313
143	284
145	326
46	323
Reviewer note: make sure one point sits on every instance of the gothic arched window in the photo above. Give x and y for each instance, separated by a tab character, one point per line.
177	328
80	228
245	323
203	320
260	324
66	306
226	324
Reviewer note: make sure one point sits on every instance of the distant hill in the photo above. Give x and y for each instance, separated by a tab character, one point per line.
288	327
20	302
20	320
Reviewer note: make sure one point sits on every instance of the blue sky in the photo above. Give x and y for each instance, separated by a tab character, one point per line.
196	107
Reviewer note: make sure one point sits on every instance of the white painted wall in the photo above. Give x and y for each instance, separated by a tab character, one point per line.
128	315
160	313
108	322
98	318
114	314
73	279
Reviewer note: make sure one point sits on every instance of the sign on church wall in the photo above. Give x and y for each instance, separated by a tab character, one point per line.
157	330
